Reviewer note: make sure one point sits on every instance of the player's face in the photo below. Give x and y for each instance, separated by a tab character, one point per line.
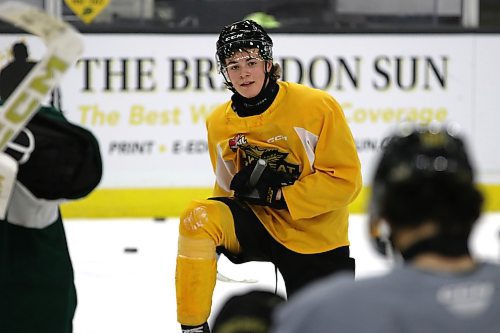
246	71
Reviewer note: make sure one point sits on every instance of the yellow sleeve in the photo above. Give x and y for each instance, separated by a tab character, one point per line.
336	179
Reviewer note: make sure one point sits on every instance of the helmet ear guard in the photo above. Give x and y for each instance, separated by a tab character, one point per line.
423	174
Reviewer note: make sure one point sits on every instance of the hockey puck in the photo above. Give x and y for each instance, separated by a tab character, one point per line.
130	250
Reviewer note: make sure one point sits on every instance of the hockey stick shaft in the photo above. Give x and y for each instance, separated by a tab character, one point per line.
257	172
64	45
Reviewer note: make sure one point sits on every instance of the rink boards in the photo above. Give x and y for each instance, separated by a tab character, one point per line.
146	98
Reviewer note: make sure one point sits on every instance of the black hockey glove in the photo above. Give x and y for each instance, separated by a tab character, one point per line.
258	184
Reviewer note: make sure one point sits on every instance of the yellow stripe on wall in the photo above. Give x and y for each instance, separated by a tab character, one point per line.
123	203
492	197
133	202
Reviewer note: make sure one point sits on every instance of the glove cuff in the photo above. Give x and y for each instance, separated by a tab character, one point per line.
270	198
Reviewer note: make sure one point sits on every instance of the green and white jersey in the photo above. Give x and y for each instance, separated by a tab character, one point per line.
37	290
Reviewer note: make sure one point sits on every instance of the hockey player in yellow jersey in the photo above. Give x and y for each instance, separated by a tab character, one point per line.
286	169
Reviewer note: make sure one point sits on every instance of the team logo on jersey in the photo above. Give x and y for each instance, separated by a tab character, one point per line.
238	141
276	160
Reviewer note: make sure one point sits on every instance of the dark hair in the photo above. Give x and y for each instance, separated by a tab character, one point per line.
455	206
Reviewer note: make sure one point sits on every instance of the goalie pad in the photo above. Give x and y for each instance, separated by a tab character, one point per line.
65	162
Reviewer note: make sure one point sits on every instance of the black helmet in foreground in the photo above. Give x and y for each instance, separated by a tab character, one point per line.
248	312
243	35
425	174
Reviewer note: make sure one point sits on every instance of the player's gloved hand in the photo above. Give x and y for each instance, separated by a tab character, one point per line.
265	190
241	181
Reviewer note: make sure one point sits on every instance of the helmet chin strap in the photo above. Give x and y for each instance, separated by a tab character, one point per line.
264	84
267	75
228	83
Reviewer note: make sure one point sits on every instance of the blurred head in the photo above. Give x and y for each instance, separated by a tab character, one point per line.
14	78
244	57
424	182
247	313
20	51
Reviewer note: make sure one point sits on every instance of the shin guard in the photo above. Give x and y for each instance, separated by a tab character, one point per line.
204	225
195	282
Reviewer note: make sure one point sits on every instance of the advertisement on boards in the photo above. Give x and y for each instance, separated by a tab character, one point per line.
146	97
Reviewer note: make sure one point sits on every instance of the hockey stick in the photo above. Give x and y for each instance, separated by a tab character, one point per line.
223	278
64	46
257	171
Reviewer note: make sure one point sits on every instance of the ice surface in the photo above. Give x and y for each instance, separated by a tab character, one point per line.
125	291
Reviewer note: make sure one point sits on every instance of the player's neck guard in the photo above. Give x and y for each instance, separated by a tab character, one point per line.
245	107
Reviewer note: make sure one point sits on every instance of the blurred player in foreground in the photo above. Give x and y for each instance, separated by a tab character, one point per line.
248	312
425	202
56	161
286	169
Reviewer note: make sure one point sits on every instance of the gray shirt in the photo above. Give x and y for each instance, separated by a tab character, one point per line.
405	300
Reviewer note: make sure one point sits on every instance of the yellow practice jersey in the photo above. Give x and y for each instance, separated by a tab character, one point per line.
304	133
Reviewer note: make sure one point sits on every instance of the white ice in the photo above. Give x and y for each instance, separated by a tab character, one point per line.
134	292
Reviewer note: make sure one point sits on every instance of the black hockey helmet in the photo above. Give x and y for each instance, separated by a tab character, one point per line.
248	312
424	174
243	35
